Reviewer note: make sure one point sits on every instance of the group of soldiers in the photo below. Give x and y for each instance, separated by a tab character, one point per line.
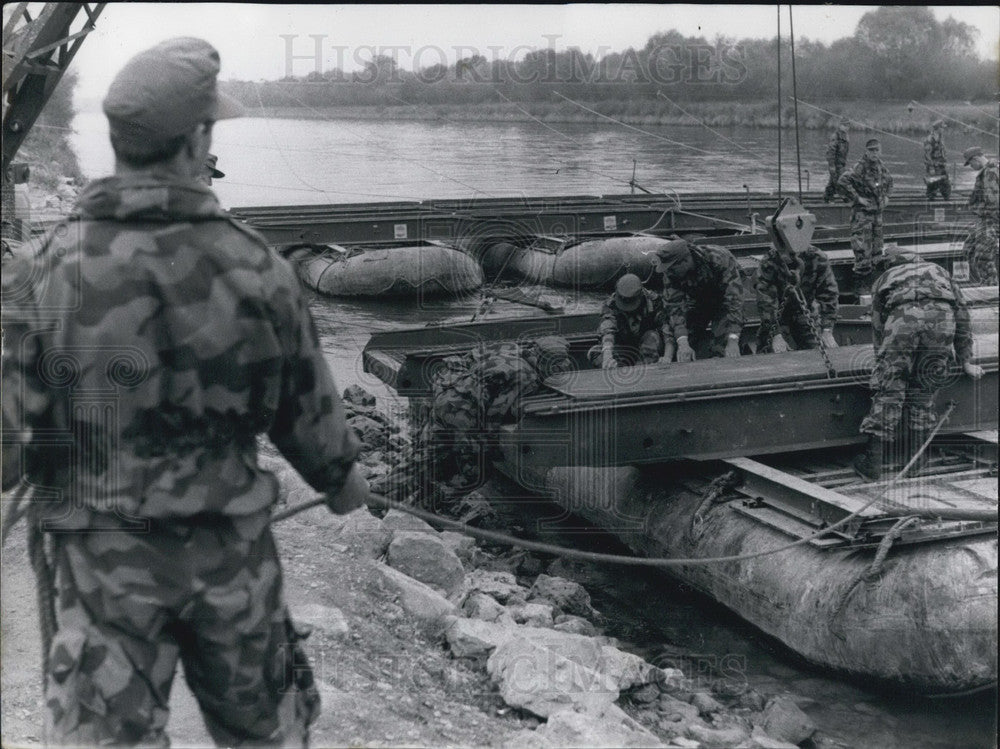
920	325
868	185
163	336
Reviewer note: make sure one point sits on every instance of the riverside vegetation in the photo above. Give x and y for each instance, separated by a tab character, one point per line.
897	55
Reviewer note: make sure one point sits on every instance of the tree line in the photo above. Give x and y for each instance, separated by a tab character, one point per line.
895	53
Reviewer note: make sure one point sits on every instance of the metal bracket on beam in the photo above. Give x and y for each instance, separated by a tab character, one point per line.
797	497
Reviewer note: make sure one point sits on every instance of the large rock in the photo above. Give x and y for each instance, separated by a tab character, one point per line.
501	585
564	594
470	638
328	619
784	720
576	625
712	737
361	532
532	614
481	606
542	669
759	739
463	546
397	520
425	557
610	727
417	599
534	678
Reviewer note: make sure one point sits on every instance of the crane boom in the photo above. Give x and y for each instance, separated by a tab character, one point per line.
37	51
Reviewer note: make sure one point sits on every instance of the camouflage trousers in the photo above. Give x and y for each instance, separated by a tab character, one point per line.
708	328
132	604
913	361
832	189
866	238
938	182
794	328
644	349
981	249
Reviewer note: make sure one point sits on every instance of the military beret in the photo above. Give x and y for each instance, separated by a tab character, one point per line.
628	292
938	124
970	153
210	161
676	250
872	142
166	91
844	122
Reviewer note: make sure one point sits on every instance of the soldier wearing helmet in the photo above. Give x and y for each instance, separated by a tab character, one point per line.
632	326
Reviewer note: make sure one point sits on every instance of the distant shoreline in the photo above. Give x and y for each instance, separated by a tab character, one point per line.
893	118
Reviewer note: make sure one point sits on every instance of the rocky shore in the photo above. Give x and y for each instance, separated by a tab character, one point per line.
531	637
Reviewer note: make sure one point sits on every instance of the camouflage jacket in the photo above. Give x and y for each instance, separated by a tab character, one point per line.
715	280
935	158
620	325
836	152
868	179
985	197
811	273
156	337
913	284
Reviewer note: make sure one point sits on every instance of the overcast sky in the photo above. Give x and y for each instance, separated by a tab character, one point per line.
250	37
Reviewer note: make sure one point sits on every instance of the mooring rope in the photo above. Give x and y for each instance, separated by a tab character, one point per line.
633	127
590	556
863	124
947	117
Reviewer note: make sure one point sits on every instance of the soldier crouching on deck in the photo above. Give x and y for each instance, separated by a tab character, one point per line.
701	288
631	329
162	338
784	323
920	325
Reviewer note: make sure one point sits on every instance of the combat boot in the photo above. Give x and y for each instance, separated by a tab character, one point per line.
868	464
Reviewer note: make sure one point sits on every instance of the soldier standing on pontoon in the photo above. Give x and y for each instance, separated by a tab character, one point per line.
936	163
983	243
836	158
868	186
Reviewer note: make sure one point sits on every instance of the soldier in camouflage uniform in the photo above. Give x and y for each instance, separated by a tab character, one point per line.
701	289
982	246
156	338
868	186
836	158
631	329
783	322
920	325
473	394
936	162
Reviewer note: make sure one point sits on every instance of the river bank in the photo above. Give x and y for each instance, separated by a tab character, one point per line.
889	117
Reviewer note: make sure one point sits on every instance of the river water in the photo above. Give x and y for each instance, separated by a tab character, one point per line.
286	162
